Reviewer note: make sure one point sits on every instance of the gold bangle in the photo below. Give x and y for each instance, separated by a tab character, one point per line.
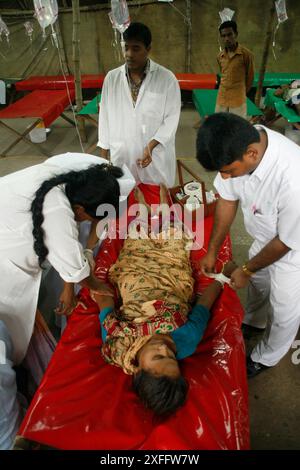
247	271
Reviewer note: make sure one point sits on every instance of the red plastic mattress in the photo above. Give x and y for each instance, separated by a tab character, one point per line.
58	82
45	104
84	403
194	81
187	81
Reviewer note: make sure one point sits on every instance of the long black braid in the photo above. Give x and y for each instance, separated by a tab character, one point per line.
89	188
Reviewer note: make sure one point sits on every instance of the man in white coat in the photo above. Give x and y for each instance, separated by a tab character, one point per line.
260	168
139	113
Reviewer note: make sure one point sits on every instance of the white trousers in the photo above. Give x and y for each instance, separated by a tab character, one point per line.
10	410
274	303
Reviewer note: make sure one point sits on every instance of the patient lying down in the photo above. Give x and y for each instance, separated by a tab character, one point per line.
159	322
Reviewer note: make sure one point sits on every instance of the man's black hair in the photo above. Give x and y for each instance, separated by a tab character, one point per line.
229	24
222	139
162	394
139	32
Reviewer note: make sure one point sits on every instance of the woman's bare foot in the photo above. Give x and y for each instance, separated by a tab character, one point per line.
163	194
139	197
163	210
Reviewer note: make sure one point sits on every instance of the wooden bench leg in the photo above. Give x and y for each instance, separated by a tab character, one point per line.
22	137
273	120
91	148
90	119
81	128
66	118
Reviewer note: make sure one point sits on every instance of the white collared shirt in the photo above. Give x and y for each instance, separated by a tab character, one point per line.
270	196
126	129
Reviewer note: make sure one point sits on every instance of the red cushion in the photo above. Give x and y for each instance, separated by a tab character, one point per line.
84	403
194	81
187	81
58	82
45	104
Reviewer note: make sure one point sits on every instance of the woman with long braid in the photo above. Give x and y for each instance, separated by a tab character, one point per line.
39	210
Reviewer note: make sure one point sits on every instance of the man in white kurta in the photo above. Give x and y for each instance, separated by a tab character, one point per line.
139	113
269	197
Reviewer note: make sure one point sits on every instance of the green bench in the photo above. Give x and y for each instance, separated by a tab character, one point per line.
92	107
205	103
281	107
273	79
276	79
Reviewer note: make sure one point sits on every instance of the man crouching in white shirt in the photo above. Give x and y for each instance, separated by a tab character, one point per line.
260	168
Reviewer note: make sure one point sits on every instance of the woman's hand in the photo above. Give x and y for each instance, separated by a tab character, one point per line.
102	290
146	160
228	268
67	300
103	299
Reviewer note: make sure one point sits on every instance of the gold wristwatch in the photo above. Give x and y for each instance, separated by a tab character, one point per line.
247	271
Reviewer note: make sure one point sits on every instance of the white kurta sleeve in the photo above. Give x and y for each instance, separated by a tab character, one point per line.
61	238
289	219
167	130
103	124
225	188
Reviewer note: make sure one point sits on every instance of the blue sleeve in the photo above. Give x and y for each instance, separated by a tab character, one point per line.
188	336
102	315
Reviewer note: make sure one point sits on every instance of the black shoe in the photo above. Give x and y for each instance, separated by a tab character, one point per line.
254	368
250	331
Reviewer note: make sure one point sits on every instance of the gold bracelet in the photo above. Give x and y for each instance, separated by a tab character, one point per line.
247	271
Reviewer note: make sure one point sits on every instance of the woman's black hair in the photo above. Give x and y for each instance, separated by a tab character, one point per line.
88	188
162	394
223	139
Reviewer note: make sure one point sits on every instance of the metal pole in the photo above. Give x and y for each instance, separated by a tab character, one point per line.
265	56
76	61
189	35
61	48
